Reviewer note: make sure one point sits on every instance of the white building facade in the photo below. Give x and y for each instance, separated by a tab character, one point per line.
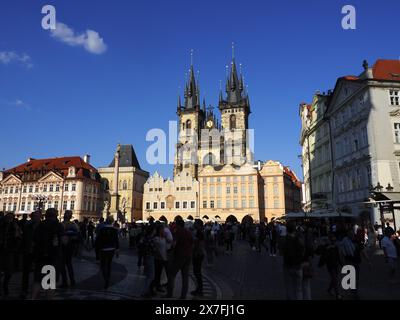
68	183
363	117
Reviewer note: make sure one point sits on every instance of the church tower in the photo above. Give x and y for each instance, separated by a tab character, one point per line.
191	121
235	110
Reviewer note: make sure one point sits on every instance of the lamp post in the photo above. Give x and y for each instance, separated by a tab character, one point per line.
41	200
124	208
378	188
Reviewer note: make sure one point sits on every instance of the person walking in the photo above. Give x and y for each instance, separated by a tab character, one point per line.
10	240
307	265
198	256
390	253
330	256
68	242
293	250
47	247
389	230
108	244
28	250
141	249
90	234
228	238
149	252
160	257
99	226
183	249
379	232
273	238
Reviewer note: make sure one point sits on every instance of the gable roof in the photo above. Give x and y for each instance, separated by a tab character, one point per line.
386	70
127	157
58	165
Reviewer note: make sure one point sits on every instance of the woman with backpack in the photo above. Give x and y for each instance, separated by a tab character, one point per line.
68	242
160	256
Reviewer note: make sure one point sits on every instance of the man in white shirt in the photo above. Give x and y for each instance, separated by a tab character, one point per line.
390	252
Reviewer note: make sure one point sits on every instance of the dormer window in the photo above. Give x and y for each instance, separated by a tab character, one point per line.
71	172
394	97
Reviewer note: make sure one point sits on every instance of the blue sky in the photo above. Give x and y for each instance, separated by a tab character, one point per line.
57	99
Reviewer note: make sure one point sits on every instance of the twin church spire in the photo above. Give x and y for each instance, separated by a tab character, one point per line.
235	89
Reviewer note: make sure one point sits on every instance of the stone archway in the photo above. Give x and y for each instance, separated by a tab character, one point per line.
190	217
232	219
164	219
178	217
247	219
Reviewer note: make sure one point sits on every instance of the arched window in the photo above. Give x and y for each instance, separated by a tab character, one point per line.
188	124
209	159
232	122
124	185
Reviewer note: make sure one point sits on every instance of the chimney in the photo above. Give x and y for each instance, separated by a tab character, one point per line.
30	159
86	158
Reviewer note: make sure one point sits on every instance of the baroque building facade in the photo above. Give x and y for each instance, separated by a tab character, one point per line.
363	119
66	183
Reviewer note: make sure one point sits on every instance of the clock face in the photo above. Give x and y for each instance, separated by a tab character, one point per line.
209	123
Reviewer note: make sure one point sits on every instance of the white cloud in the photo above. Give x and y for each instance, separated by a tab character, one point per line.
20	104
90	40
7	57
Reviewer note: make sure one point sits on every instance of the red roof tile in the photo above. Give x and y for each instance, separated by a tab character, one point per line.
350	78
60	165
386	70
292	175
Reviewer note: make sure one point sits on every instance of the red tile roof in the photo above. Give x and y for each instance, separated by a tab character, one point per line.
59	165
350	78
292	175
386	70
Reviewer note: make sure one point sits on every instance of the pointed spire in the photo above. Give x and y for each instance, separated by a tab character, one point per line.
192	90
220	91
241	80
179	102
234	86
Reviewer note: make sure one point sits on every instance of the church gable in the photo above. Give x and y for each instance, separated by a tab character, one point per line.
11	179
51	177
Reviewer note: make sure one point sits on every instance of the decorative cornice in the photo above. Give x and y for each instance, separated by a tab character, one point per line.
395	113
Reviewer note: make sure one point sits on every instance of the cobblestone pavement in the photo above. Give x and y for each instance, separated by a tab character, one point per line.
243	274
247	274
127	280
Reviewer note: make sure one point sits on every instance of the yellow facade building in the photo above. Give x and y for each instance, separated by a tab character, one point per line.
216	161
123	182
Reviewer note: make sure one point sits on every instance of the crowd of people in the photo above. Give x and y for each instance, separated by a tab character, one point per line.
29	245
164	250
334	245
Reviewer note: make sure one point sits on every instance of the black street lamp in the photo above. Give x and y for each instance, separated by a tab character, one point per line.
41	200
378	187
